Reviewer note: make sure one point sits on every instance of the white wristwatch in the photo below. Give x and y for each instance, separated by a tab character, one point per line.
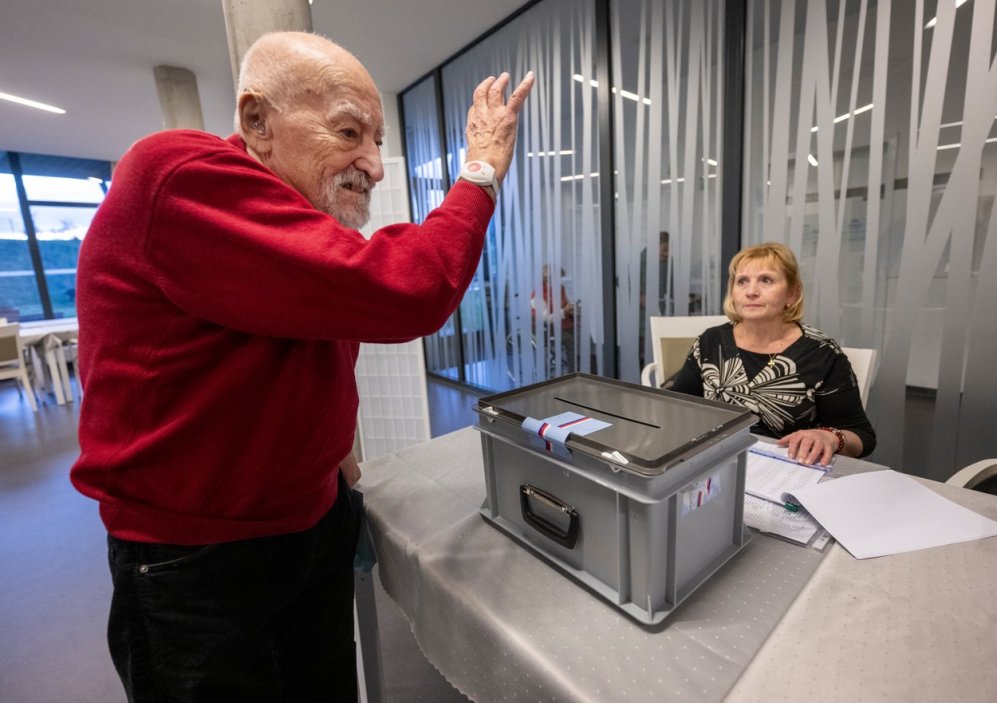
480	173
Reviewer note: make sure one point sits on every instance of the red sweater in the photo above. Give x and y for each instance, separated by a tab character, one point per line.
220	316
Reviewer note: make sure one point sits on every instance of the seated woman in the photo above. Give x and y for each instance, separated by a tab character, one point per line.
792	376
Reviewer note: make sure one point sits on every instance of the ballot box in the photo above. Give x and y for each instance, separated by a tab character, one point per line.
635	492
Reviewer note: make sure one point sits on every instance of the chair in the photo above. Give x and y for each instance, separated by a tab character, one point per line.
863	363
673	337
978	476
12	364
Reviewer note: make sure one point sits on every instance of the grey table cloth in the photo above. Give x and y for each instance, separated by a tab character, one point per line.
502	625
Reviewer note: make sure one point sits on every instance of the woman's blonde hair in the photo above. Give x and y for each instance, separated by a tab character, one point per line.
780	256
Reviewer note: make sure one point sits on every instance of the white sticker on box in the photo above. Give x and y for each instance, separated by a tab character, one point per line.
698	494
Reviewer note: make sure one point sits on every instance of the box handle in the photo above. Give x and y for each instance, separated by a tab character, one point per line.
565	538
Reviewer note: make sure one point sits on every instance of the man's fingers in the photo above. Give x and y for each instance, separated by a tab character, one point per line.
481	92
518	96
496	90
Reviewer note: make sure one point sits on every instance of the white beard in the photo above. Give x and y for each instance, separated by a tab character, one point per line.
350	207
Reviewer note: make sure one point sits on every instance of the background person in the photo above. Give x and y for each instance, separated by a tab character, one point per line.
563	313
223	293
792	376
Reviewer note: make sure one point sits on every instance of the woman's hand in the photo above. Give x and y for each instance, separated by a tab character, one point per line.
810	446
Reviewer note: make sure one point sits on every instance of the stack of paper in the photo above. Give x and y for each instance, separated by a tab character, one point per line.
770	475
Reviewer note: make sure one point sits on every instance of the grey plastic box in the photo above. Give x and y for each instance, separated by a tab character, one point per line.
642	511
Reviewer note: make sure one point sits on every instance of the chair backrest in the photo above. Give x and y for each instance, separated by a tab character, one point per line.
10	348
978	476
863	363
672	337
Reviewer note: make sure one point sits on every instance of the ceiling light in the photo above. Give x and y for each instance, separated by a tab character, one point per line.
934	20
624	93
841	118
812	159
669	180
956	146
32	103
579	177
563	152
955	124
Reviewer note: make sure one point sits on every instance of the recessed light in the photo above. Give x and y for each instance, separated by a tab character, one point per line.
32	103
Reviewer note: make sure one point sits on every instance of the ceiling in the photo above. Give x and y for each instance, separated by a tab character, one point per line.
95	59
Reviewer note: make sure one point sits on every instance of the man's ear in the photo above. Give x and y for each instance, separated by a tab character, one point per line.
253	122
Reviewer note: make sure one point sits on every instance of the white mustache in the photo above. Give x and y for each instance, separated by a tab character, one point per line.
355	178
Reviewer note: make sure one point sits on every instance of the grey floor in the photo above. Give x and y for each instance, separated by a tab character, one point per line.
54	583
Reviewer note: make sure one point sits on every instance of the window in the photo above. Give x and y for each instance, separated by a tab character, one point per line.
46	206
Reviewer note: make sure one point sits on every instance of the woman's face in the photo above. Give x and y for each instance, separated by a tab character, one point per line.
760	291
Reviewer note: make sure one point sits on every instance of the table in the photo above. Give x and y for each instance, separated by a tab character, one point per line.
778	619
46	337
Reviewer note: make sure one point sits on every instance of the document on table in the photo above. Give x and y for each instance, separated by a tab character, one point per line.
884	512
770	475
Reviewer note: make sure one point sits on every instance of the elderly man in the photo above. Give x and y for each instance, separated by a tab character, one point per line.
222	297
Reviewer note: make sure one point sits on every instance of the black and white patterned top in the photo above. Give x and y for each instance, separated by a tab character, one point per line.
809	384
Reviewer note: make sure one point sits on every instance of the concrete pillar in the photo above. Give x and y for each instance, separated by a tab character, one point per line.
248	20
178	98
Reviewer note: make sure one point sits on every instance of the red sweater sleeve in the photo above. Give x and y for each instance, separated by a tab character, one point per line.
231	243
219	319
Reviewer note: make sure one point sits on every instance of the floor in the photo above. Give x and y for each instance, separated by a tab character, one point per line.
54	580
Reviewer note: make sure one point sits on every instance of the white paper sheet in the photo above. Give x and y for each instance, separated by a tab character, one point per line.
884	512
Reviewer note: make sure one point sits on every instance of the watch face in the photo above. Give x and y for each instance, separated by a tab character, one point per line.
480	173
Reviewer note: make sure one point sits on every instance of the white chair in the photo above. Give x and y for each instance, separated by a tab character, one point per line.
863	363
673	337
980	476
12	363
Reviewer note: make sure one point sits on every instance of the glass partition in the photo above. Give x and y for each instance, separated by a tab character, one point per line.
869	154
667	66
426	189
527	316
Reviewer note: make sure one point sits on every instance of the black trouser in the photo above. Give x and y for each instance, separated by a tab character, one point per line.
266	619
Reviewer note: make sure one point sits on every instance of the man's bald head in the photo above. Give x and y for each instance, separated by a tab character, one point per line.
308	110
283	66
